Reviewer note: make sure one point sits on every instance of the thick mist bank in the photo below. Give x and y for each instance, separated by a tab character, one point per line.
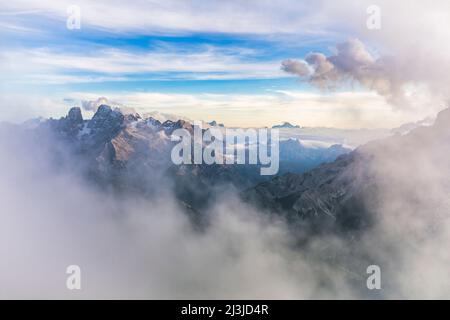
133	247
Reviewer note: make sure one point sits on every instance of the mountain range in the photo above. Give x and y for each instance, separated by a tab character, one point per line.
130	153
317	189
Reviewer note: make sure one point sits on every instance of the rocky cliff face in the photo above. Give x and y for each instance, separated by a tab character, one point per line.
344	195
332	196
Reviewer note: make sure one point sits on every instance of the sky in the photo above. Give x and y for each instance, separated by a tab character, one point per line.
226	60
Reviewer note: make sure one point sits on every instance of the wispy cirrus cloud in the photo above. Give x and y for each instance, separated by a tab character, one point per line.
114	64
181	17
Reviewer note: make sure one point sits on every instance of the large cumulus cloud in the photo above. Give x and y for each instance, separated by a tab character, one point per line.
351	62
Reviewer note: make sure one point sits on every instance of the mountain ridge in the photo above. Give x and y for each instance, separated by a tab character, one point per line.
341	195
132	153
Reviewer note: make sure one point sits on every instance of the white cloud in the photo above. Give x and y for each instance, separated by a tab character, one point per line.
416	41
17	107
312	109
49	66
299	68
389	76
340	109
175	17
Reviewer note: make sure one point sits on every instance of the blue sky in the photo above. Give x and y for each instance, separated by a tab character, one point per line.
262	55
218	59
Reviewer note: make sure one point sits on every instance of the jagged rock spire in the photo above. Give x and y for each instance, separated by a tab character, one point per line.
75	115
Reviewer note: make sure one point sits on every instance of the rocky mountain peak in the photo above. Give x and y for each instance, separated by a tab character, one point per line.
103	111
105	117
67	126
286	125
105	124
132	117
214	123
75	116
170	126
293	143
